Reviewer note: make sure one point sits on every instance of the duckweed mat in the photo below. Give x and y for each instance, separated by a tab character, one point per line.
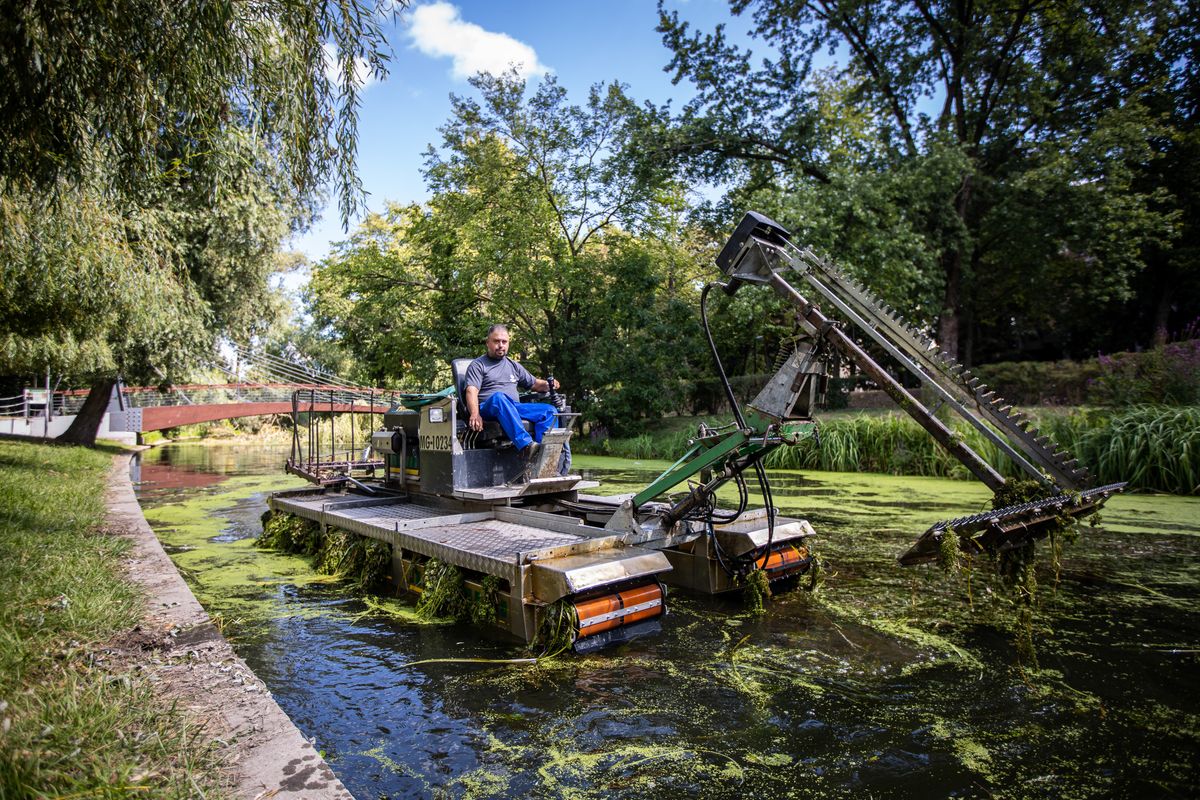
887	682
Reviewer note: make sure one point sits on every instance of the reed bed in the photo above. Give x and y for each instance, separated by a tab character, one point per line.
1150	447
889	444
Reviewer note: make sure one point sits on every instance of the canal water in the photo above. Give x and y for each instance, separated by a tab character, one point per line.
885	683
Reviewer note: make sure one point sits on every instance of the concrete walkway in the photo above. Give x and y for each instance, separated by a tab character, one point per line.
187	656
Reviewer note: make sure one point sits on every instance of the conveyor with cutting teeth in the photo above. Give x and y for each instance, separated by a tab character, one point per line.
931	365
991	531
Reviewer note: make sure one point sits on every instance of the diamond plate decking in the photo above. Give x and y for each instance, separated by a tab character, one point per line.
474	540
495	539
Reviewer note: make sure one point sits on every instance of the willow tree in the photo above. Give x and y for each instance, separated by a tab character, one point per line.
152	156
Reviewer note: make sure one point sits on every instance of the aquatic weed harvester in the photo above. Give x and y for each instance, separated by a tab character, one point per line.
534	554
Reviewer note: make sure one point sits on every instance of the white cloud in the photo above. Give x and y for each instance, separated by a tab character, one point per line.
438	30
364	76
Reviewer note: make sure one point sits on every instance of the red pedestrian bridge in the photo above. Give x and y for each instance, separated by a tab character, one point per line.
276	386
148	409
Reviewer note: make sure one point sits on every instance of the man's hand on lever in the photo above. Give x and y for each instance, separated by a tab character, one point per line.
475	422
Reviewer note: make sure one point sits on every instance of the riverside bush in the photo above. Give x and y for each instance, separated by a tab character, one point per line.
1041	382
1169	374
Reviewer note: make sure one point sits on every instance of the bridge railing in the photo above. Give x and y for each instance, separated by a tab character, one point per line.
69	402
33	404
216	395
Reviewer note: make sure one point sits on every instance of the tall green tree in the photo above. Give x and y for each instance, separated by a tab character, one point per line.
1169	289
152	156
539	218
525	192
369	305
1004	141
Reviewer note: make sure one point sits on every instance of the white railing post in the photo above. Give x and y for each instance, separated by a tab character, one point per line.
49	407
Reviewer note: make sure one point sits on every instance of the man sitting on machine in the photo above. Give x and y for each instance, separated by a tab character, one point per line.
491	393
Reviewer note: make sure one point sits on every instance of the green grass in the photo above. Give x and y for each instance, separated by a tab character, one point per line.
74	721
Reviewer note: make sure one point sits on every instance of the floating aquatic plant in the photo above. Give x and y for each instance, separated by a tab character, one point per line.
816	573
1017	566
556	634
949	556
757	588
289	533
484	604
442	591
362	561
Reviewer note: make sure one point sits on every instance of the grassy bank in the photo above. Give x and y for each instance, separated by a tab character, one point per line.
1151	447
75	720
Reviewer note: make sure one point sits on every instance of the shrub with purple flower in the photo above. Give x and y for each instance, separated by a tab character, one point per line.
1168	374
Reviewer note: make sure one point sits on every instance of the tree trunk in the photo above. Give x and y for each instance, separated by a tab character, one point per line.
968	341
950	318
948	328
1162	315
87	421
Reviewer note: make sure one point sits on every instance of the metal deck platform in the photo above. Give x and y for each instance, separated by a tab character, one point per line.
541	557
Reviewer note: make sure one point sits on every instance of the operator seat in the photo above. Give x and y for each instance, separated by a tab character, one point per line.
492	434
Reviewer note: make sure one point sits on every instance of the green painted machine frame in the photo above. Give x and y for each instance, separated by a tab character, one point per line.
730	452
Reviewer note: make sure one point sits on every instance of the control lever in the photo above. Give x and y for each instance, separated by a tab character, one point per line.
557	400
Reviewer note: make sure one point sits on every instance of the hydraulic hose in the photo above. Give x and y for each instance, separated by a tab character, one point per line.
733	403
764	485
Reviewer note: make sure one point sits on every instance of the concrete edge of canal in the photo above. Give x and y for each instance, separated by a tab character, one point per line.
265	753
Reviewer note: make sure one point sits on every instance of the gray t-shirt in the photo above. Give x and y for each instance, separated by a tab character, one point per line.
491	375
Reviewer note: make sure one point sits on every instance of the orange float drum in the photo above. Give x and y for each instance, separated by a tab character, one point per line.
625	607
785	560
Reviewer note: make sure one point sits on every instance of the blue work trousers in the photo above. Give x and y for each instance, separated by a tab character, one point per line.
502	409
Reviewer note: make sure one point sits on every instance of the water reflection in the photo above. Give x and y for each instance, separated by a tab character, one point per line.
896	683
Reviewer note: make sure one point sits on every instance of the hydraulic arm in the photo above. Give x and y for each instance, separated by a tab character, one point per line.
761	252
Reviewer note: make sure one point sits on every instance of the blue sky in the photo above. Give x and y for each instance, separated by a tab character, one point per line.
437	45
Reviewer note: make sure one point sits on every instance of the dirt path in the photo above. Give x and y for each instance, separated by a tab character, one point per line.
182	651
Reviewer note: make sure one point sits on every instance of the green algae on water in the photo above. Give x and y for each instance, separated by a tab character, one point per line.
848	684
969	752
229	575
